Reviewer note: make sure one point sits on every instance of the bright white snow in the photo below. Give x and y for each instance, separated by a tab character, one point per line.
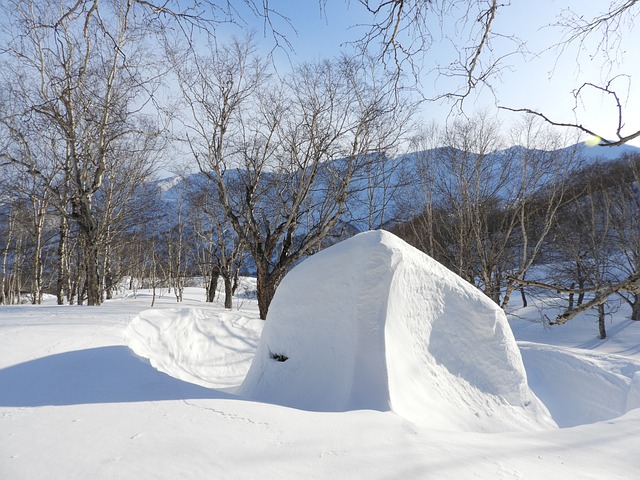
187	343
373	323
77	403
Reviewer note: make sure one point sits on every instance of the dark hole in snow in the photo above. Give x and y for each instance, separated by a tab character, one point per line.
278	357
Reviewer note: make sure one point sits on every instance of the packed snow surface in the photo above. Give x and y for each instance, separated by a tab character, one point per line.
373	323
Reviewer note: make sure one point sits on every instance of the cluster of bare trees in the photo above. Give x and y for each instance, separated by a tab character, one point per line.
280	155
487	215
497	219
73	134
277	153
598	240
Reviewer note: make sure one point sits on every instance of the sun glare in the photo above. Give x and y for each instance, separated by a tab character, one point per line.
593	141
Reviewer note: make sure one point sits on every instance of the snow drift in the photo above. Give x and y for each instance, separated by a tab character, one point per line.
581	387
373	323
195	345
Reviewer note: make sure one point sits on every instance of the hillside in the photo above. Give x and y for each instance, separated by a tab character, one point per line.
380	200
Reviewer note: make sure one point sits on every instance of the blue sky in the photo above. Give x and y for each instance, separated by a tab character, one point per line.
543	82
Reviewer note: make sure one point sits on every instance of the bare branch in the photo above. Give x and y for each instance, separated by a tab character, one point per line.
622	139
486	18
608	29
556	287
401	33
629	284
607	25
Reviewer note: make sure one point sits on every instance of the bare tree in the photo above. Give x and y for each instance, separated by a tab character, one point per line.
594	216
282	156
10	237
25	195
476	184
126	203
625	213
175	239
39	203
415	208
221	251
466	186
484	212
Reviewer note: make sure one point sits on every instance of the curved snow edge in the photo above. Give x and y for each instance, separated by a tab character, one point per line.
196	345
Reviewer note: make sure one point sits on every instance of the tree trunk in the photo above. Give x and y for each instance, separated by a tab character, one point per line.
495	281
266	286
36	281
73	290
488	284
15	285
4	281
573	285
524	296
89	236
601	325
63	289
213	284
236	281
635	307
179	290
82	288
228	291
507	294
92	282
108	275
75	278
153	273
581	294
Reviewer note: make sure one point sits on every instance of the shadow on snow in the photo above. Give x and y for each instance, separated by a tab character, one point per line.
110	374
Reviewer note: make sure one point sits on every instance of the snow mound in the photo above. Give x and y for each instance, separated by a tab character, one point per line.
195	345
373	323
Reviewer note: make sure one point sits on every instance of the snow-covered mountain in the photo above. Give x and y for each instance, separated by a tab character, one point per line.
599	152
386	196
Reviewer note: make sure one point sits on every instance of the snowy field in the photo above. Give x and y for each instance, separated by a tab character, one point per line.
123	391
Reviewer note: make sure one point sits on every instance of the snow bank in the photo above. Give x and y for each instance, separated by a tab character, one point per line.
372	323
580	387
196	345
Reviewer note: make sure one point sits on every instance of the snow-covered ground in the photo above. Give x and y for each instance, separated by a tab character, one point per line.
126	391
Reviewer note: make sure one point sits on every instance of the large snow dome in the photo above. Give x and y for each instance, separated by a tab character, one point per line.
373	323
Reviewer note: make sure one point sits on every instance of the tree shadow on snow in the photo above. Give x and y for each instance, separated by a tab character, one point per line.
111	374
